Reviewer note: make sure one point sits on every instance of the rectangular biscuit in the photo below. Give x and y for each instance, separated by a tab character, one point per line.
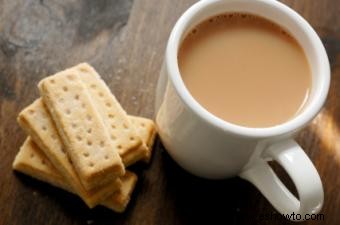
36	121
86	140
31	161
147	131
121	131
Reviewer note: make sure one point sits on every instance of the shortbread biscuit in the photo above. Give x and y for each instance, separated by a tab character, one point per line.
147	131
122	132
86	140
31	161
36	121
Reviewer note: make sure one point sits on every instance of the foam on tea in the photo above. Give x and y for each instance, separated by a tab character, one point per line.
245	70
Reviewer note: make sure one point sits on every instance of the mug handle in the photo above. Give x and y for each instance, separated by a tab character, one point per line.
301	170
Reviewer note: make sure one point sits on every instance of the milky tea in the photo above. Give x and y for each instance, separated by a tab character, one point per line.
245	70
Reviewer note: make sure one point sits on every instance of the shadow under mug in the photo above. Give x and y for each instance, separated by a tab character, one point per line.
209	147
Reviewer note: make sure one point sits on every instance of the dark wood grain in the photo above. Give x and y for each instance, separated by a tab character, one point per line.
125	42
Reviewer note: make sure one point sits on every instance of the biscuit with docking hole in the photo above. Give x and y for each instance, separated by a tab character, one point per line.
95	157
38	124
121	131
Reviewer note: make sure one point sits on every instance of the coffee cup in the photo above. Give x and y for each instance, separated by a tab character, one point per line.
210	147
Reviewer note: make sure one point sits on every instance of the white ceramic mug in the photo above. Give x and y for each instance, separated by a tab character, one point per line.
210	147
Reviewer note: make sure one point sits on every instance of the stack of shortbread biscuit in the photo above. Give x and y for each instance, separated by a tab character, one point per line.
80	139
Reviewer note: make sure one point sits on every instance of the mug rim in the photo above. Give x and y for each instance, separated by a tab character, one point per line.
289	126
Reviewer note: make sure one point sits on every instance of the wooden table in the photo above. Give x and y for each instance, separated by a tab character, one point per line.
125	41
